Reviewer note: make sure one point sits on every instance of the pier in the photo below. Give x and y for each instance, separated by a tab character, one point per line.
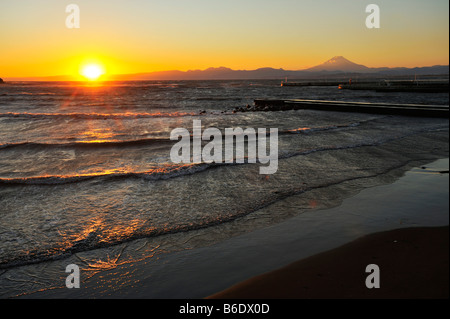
419	86
357	107
422	86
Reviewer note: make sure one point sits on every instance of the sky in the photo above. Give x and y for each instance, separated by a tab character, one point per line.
137	36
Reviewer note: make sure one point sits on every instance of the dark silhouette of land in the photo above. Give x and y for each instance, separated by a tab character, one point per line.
333	68
337	67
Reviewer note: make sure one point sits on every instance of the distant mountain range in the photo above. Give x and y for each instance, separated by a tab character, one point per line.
338	66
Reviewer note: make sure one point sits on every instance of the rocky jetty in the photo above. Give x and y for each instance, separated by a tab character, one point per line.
264	106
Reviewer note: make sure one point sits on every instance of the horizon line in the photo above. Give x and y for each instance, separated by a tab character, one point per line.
336	72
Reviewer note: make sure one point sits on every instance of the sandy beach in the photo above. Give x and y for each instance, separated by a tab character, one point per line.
414	263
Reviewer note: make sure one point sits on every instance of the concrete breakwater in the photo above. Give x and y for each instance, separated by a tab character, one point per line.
262	105
425	86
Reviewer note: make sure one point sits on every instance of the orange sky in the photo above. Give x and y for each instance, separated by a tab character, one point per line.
144	36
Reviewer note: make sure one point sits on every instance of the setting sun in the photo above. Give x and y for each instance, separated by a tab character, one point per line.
92	72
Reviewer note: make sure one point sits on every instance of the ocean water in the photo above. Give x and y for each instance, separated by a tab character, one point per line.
87	167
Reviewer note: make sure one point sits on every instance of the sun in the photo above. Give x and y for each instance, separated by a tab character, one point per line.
92	72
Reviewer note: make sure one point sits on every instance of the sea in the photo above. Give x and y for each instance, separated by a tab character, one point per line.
86	171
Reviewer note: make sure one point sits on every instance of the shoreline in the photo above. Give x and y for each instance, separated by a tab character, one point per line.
413	262
205	271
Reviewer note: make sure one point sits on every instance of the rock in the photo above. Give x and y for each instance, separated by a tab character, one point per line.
1	81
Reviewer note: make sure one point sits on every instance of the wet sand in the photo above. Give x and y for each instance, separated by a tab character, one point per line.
413	262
